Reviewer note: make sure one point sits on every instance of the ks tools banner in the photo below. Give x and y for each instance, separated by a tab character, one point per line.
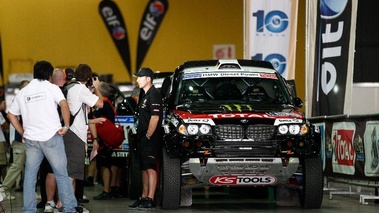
270	33
330	66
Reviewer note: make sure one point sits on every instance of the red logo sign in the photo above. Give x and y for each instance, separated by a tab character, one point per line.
343	140
242	180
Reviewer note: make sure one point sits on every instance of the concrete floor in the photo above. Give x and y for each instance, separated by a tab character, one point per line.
226	201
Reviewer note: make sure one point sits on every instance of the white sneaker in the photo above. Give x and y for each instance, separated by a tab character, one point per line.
49	207
2	193
83	209
9	197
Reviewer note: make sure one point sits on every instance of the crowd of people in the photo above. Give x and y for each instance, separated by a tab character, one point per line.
44	134
46	129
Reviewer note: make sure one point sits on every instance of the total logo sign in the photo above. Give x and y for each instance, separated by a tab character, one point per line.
343	150
242	180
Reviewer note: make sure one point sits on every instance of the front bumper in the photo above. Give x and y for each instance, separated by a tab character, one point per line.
243	171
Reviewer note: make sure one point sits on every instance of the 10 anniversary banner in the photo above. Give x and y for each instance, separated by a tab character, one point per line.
151	20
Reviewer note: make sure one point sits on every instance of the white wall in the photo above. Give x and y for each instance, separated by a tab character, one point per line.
365	98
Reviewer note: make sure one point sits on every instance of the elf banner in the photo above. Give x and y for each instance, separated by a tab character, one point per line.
152	18
270	33
330	54
114	21
1	65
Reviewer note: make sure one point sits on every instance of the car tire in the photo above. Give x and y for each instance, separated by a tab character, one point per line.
170	182
311	191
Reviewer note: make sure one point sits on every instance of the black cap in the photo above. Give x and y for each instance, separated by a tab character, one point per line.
70	73
145	72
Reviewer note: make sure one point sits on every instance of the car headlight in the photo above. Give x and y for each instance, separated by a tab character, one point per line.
192	129
294	129
182	130
304	129
205	129
283	129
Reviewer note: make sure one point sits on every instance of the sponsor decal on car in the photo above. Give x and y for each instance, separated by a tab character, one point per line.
242	180
200	121
287	120
294	117
228	74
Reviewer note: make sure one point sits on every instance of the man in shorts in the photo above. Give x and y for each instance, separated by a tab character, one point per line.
149	136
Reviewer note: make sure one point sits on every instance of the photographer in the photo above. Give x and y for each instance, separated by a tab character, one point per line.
79	99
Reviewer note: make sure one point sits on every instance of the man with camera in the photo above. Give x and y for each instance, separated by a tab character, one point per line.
80	99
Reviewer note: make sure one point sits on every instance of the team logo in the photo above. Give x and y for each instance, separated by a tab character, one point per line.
330	9
156	8
118	33
244	121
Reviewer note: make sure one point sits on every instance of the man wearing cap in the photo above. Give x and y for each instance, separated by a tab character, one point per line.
149	136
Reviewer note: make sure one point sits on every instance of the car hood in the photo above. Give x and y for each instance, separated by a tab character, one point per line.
278	113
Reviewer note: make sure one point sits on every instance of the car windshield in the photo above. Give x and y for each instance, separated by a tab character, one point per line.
232	88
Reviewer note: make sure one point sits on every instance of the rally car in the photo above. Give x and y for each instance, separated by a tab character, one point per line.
236	123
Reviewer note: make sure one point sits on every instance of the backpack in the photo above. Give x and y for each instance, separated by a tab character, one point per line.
65	89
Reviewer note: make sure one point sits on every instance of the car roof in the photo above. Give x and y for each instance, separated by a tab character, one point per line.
230	65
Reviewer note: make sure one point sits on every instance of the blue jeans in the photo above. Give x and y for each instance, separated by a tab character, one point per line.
55	153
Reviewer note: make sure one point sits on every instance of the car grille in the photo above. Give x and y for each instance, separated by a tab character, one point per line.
245	141
230	131
254	132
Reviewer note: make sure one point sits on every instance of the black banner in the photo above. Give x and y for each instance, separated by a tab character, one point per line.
1	64
331	57
350	146
151	20
114	21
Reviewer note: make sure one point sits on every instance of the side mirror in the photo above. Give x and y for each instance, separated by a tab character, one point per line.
298	102
127	107
292	87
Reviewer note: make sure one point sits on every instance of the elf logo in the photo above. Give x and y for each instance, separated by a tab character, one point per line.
242	180
156	9
112	20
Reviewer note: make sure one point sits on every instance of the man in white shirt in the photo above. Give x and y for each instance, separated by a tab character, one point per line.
42	131
80	99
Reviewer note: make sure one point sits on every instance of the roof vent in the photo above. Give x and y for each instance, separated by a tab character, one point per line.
228	64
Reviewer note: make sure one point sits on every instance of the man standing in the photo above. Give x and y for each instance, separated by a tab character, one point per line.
149	137
80	99
42	131
18	151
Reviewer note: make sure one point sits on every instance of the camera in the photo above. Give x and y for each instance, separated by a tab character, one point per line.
90	81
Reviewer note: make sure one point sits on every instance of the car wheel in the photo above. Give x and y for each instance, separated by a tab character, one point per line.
170	182
311	190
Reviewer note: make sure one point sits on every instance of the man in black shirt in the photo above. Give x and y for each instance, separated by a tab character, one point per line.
149	136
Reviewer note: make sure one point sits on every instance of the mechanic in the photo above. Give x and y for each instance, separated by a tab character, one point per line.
149	137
